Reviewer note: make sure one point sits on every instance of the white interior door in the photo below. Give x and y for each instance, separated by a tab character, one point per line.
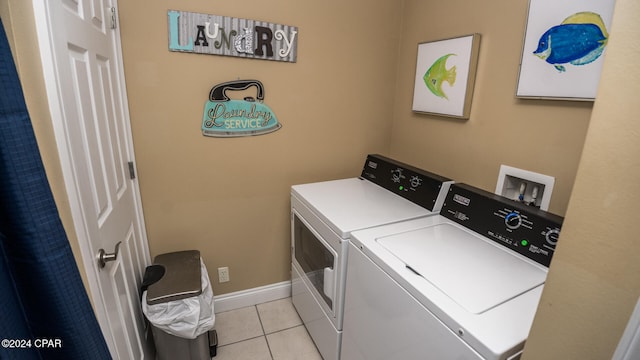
83	71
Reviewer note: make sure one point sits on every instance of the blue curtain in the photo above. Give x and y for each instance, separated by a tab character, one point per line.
45	312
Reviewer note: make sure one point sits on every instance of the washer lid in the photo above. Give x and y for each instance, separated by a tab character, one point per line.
473	272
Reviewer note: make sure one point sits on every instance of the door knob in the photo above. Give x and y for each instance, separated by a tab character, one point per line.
104	257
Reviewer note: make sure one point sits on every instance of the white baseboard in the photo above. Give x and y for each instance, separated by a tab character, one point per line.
249	297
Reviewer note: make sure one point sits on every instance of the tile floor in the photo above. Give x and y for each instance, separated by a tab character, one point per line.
269	331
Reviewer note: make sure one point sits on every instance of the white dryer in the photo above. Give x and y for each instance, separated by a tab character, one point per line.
461	285
324	214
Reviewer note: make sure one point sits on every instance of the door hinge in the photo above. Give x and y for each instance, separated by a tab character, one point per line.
113	17
132	171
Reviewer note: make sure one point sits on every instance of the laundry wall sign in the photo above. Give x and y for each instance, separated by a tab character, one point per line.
227	117
228	36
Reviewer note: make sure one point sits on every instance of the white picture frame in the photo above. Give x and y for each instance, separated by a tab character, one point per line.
554	77
434	91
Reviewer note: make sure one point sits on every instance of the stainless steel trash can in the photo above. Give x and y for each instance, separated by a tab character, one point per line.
178	276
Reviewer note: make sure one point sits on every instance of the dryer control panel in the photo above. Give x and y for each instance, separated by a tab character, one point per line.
416	185
527	230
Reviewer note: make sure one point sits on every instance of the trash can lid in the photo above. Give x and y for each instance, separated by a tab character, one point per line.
181	278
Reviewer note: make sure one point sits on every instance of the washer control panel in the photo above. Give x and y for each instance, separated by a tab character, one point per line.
527	230
416	185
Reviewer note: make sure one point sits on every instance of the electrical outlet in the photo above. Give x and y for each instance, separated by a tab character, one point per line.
223	274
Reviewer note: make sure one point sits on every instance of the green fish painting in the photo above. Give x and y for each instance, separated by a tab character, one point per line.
437	74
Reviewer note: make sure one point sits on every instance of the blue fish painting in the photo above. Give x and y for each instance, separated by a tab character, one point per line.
579	40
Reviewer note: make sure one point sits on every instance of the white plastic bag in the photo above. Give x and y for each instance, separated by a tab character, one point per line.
187	318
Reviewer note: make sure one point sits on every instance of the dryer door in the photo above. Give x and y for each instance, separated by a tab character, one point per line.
317	259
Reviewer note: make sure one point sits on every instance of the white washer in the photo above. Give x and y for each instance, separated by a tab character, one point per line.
324	214
461	285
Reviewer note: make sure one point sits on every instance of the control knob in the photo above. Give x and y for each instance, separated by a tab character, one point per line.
513	220
552	236
415	181
396	175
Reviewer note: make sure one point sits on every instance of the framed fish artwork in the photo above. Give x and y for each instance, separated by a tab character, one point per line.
445	75
563	49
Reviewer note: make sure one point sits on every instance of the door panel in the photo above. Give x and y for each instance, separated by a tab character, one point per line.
85	85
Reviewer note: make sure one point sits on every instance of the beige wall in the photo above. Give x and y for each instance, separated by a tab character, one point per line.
594	280
229	198
541	136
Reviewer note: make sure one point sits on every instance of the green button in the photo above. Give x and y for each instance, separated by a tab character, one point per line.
524	242
401	187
